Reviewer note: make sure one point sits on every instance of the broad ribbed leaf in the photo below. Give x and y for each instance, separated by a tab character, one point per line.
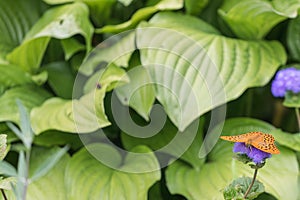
196	71
142	14
279	175
293	38
16	18
60	22
78	115
31	96
88	178
253	19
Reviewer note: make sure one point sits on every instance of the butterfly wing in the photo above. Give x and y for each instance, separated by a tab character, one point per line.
243	137
266	144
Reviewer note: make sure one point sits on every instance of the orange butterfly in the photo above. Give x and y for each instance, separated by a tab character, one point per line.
261	141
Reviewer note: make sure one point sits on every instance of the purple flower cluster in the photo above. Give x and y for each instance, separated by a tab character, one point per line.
256	155
286	80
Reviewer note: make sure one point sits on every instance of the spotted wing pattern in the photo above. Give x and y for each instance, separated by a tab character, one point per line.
261	141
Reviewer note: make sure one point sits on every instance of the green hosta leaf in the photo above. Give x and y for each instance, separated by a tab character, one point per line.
46	162
78	115
16	18
12	75
141	15
293	38
139	93
194	7
60	22
118	50
169	140
280	180
88	178
71	46
289	140
29	55
237	189
253	19
30	96
202	70
60	78
3	146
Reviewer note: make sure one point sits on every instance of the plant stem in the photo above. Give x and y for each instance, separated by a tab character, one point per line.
298	117
28	152
250	186
3	194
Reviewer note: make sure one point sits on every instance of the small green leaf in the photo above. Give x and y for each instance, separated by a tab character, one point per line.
85	175
141	15
194	7
291	100
46	162
71	46
237	189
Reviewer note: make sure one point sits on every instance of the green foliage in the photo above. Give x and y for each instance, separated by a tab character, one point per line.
238	187
110	91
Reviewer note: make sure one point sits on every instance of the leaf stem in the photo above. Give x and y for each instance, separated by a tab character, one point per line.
3	194
298	117
250	186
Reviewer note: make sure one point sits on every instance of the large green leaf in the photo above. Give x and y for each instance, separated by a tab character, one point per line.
287	139
16	18
279	175
140	15
293	38
82	115
11	76
169	140
60	22
196	71
253	19
88	178
30	95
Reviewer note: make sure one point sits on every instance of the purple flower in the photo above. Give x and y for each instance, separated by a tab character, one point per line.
286	80
256	155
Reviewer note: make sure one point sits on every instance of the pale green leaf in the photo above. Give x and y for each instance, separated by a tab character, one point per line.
202	70
140	15
289	140
30	96
253	19
88	178
71	46
7	169
139	93
60	22
279	175
29	55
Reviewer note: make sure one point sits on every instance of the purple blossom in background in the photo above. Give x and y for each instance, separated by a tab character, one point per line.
256	155
286	80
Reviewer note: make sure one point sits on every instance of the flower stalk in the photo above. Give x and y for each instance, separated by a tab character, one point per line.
251	184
